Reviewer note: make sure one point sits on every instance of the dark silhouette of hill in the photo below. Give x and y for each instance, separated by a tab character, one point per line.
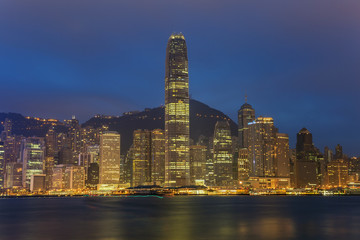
202	122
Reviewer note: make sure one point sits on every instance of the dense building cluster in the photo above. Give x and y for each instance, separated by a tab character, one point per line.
90	158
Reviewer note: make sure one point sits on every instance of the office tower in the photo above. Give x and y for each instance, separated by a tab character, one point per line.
282	155
339	152
74	140
12	148
7	130
13	175
88	137
246	115
262	140
94	151
58	177
158	157
50	153
32	157
93	175
2	165
109	164
37	182
243	164
307	165
177	168
337	173
328	155
142	157
74	177
198	164
223	154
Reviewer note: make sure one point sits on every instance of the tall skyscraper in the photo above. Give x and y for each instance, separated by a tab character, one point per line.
32	158
158	156
246	114
282	155
177	158
307	166
2	165
142	157
198	164
262	139
223	157
109	164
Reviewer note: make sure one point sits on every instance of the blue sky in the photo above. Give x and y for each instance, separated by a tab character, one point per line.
298	61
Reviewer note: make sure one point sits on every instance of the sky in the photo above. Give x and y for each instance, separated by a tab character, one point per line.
298	61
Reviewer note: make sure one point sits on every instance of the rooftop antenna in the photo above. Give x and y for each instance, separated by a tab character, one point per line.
246	98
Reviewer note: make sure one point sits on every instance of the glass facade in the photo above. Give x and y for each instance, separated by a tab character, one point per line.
177	167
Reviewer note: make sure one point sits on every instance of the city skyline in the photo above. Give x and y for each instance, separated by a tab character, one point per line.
301	72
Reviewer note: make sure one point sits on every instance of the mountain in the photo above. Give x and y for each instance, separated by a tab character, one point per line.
202	122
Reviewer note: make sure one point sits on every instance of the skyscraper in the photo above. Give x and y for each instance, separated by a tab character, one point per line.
223	154
2	165
142	157
282	155
158	156
246	114
198	164
32	157
177	158
262	139
109	164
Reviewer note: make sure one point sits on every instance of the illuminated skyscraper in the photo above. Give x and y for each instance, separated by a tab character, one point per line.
282	155
243	164
198	164
223	162
246	114
2	165
142	157
109	164
32	158
337	173
177	167
158	156
262	139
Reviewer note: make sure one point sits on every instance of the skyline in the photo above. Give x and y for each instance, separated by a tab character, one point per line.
83	68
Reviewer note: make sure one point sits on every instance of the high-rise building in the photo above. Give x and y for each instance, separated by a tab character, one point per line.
262	140
177	133
13	175
198	164
32	158
243	164
109	164
282	155
158	156
307	166
339	152
93	174
338	173
37	182
246	115
74	177
58	177
2	165
223	156
142	157
328	155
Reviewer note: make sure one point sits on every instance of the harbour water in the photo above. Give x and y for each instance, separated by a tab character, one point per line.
181	218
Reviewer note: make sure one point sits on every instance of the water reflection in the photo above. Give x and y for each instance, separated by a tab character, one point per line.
240	217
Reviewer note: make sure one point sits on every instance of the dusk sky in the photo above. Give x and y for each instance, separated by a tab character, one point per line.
298	61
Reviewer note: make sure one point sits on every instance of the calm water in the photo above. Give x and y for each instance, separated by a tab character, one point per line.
239	217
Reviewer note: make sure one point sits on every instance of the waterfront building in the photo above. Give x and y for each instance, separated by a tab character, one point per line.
223	157
74	177
338	173
13	175
262	141
32	157
243	164
282	155
93	175
37	182
142	157
158	157
58	177
198	164
2	165
177	133
246	115
307	167
109	165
